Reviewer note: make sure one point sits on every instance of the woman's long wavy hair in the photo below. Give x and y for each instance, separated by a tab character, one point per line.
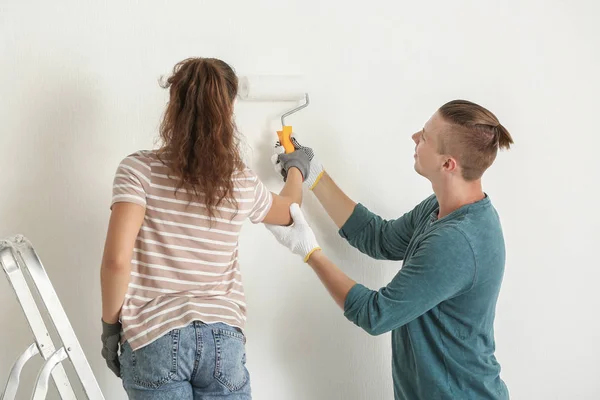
199	138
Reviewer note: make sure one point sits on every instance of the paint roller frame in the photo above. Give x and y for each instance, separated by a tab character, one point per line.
286	130
260	85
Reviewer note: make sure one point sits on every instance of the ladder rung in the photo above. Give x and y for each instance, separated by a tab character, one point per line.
41	386
15	372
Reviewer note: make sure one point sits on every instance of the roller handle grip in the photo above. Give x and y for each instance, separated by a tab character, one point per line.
285	139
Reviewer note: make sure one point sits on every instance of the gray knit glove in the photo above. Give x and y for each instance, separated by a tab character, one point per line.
111	338
315	171
298	159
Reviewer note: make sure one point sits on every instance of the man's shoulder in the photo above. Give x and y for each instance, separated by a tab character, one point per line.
450	236
430	203
425	208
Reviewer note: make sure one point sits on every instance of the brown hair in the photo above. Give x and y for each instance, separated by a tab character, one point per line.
475	137
200	141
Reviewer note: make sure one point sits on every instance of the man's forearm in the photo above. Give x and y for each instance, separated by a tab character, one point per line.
337	204
293	186
114	281
338	284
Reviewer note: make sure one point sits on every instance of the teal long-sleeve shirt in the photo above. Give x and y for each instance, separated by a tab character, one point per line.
441	305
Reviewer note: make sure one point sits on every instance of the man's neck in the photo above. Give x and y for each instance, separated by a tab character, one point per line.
454	195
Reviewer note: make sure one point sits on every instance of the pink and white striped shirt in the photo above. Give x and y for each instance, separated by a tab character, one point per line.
185	265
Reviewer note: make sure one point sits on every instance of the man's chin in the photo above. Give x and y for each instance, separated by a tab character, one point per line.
418	170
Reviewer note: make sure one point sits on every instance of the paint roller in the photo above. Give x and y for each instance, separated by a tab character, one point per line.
276	88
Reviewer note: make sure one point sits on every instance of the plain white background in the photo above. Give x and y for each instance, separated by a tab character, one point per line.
79	84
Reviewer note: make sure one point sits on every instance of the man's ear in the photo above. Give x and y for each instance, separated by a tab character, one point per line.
450	164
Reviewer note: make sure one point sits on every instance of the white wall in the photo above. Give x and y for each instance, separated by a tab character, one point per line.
79	92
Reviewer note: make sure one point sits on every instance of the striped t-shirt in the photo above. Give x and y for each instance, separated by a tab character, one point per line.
185	265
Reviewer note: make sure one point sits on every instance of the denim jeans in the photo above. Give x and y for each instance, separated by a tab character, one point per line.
198	362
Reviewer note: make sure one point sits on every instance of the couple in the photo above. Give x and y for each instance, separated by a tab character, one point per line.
173	307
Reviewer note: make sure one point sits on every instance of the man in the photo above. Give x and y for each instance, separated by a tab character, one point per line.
440	306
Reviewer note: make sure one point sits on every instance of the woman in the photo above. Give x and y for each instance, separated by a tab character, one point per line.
172	295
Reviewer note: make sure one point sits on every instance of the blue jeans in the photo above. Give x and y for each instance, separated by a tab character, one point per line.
198	362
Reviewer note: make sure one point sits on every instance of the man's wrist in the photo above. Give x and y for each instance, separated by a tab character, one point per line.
313	258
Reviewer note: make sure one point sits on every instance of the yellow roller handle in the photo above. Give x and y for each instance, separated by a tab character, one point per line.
285	139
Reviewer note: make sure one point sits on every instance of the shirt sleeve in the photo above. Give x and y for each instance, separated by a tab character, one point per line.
378	238
442	267
383	239
263	200
131	181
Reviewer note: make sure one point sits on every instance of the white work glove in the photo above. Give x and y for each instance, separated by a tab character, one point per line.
298	237
316	168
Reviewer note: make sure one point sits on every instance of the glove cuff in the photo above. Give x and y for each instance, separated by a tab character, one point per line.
298	159
315	174
310	253
111	329
311	187
298	164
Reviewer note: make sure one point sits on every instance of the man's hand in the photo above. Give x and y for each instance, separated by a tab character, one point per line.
111	338
280	160
298	237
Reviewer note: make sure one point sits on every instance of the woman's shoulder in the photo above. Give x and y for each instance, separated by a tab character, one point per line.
146	157
244	173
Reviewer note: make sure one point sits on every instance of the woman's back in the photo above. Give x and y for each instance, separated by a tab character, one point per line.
173	305
185	265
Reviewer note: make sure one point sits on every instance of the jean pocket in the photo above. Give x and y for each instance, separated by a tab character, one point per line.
156	364
230	351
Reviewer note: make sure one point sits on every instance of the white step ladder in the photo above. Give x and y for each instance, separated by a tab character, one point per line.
23	267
